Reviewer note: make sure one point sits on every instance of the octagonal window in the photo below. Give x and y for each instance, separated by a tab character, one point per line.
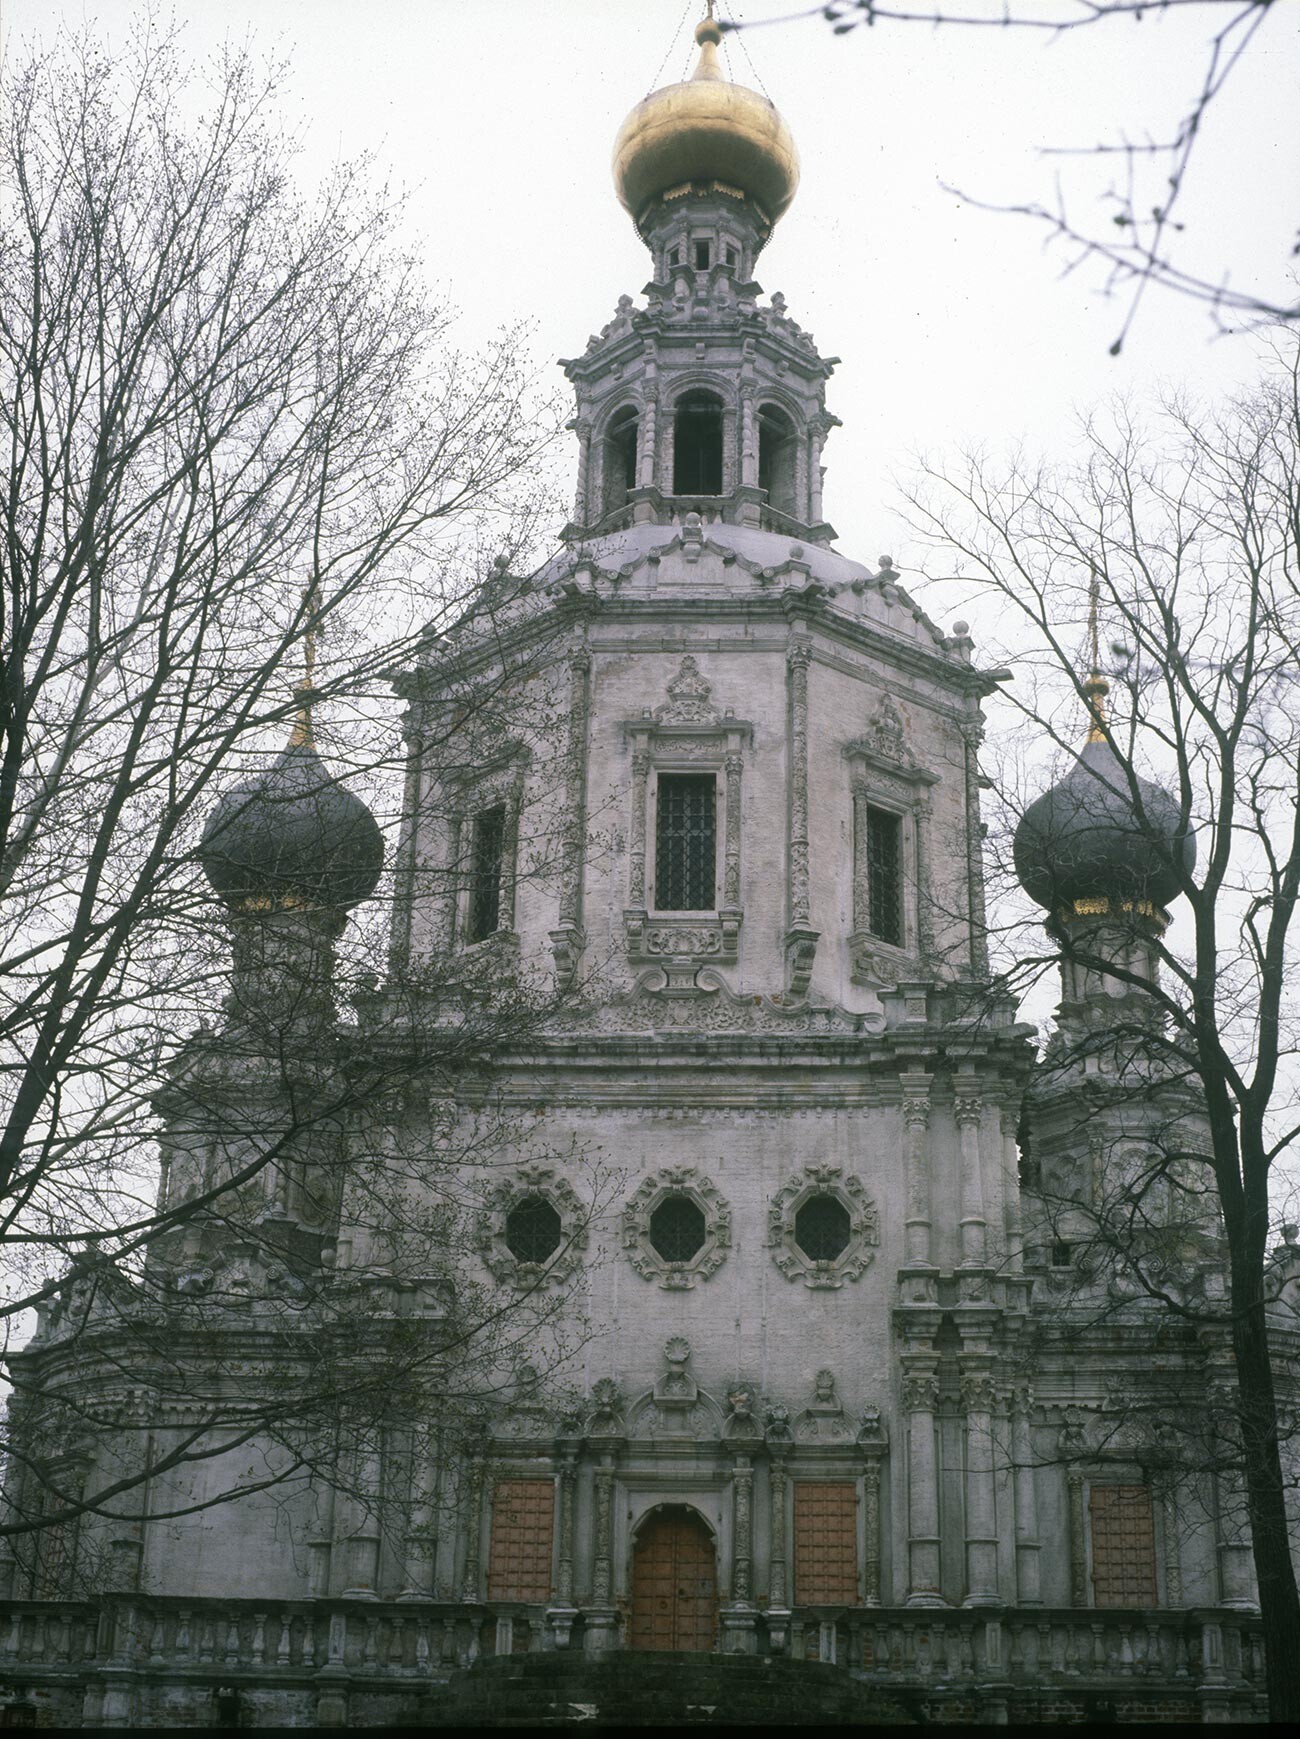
677	1229
533	1230
822	1228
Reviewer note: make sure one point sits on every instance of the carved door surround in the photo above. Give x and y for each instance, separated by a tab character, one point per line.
674	1582
884	774
685	735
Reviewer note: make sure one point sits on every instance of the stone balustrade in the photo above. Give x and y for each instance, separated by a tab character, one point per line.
124	1659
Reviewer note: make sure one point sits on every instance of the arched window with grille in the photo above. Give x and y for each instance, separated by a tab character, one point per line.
697	444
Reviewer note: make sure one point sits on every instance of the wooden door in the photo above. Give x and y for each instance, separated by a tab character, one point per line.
674	1583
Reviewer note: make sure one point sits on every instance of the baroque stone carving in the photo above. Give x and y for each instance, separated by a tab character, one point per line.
656	1003
822	1421
605	1417
864	1227
688	698
674	1180
490	1231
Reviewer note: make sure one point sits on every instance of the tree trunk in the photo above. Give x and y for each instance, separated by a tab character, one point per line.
1265	1490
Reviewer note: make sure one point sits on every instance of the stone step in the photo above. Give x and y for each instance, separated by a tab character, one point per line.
636	1688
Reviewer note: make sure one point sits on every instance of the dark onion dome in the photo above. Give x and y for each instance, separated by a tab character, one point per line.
1082	841
706	129
292	837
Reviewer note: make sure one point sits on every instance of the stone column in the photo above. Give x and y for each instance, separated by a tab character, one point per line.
973	736
636	839
1236	1560
355	1512
861	874
602	1619
968	1108
421	1533
562	1610
567	938
731	839
730	449
742	1529
916	1123
920	1402
815	474
801	472
586	496
739	1633
451	909
645	449
564	1568
981	1509
131	1456
1028	1568
748	442
1078	1543
1173	1554
778	1595
472	1590
797	663
921	813
801	938
871	1528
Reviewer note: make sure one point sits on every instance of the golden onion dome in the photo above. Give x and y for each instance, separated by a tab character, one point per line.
706	129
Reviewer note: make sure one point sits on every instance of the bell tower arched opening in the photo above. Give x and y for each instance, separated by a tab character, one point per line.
776	459
674	1582
619	471
697	444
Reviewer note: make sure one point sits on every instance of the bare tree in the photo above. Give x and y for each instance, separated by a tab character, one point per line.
1185	530
238	443
1136	245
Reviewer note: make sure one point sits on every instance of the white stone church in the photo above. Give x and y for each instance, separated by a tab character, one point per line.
805	1395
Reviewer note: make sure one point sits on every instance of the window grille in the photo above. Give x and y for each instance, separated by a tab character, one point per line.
523	1521
822	1228
677	1229
486	853
1123	1546
885	875
686	843
533	1230
825	1544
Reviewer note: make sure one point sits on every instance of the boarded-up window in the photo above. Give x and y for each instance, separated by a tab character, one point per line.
1123	1546
825	1544
523	1521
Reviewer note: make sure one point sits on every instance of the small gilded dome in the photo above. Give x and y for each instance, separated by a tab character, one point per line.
1083	840
706	129
293	837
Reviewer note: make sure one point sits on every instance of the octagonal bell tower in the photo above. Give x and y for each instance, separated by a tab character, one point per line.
703	400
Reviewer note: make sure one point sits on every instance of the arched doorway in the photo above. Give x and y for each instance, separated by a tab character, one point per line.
674	1582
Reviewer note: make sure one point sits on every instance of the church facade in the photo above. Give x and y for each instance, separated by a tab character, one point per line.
801	1360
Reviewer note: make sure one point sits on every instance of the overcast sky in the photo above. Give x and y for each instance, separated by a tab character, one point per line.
954	325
